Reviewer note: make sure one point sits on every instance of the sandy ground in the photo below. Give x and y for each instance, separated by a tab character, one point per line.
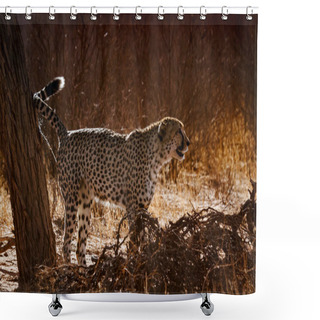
170	202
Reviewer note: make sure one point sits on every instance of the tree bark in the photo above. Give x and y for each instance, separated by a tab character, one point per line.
20	145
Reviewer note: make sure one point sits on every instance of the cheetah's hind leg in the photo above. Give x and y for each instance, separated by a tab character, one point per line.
70	224
84	212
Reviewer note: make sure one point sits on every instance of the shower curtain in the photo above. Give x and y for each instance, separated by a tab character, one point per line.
128	153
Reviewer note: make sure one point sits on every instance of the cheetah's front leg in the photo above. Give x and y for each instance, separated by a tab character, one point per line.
136	225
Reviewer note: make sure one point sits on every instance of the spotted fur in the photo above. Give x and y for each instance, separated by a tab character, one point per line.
100	163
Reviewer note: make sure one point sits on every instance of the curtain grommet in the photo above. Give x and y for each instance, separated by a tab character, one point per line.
180	13
138	16
93	16
7	11
249	15
52	11
73	13
224	13
203	13
160	15
116	15
28	13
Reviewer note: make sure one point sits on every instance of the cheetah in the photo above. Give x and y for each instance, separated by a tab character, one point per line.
101	164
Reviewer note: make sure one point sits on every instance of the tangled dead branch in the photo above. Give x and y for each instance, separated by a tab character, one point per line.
10	242
205	251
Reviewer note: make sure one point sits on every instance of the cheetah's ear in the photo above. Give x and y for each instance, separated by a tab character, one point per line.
165	131
161	131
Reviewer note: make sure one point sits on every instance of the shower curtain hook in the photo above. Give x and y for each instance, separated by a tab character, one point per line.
203	13
160	15
224	13
249	16
73	13
28	13
116	14
93	16
6	14
180	13
138	16
51	13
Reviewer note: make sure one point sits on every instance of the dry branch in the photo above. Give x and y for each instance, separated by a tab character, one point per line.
202	251
13	274
10	243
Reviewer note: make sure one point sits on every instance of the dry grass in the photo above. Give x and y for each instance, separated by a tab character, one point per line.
214	175
205	251
190	192
215	180
171	202
6	221
8	259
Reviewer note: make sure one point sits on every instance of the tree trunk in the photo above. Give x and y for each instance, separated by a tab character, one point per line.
20	145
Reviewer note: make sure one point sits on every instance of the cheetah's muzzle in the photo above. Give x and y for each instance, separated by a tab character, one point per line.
180	154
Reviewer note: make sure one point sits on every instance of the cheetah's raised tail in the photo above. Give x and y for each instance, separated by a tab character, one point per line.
45	110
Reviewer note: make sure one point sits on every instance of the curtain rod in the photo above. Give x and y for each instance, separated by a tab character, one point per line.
28	10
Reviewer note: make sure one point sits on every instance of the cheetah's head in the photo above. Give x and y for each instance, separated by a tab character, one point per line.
173	138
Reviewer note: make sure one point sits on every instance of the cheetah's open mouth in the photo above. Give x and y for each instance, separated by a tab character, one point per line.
180	154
